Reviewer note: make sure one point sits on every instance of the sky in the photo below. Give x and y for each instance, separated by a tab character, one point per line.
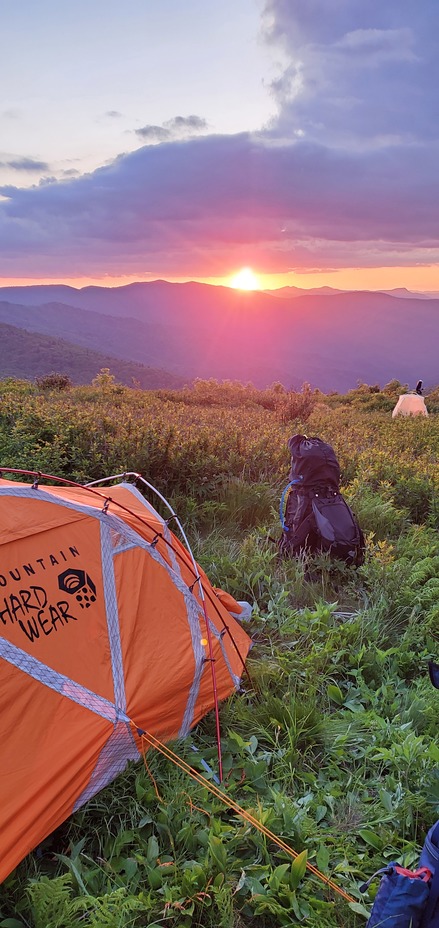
188	140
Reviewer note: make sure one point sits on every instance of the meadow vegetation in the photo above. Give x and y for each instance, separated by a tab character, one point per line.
333	742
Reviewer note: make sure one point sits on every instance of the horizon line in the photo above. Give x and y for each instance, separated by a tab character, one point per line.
38	282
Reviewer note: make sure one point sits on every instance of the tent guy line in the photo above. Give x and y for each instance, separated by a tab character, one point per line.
123	562
150	740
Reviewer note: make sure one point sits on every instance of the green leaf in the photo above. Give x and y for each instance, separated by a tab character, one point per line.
296	908
322	858
145	820
241	881
218	852
152	851
74	869
155	878
335	693
252	744
11	923
386	800
277	877
371	838
359	909
255	886
320	813
354	705
298	868
130	867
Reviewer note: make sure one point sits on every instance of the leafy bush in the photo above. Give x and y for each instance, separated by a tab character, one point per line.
58	382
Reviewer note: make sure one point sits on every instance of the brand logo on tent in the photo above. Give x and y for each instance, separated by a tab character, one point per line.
78	584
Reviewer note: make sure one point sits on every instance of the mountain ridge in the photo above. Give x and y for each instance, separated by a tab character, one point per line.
196	330
29	355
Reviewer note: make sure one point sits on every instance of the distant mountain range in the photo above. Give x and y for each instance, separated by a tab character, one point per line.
28	355
194	330
400	292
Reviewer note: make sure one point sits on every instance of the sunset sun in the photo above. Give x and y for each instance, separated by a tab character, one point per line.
245	279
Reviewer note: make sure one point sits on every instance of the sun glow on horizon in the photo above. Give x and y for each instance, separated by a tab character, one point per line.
245	279
423	279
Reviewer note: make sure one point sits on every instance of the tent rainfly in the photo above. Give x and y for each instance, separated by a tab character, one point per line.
108	628
410	404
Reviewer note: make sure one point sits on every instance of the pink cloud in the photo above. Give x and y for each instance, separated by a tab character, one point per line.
346	175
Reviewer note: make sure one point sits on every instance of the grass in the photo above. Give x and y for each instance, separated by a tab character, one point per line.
332	744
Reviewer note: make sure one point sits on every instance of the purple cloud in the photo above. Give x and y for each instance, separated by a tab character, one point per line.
25	164
208	200
360	72
346	175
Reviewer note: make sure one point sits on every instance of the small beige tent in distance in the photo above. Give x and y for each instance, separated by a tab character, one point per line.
410	404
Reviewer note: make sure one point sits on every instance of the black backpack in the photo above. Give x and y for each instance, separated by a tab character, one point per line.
317	518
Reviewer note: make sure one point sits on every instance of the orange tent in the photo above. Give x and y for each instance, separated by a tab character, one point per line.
107	628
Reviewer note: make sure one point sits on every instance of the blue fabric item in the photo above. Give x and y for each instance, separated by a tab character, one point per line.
206	765
399	902
404	899
281	504
430	858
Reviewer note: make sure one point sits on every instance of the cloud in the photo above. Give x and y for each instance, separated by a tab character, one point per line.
153	133
25	164
345	176
176	128
358	72
113	114
198	207
11	113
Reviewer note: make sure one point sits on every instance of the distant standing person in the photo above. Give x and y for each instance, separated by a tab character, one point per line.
418	388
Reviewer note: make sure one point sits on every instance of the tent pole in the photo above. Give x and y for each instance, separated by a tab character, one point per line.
89	487
215	690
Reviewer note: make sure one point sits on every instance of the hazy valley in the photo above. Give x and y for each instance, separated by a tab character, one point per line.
194	330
